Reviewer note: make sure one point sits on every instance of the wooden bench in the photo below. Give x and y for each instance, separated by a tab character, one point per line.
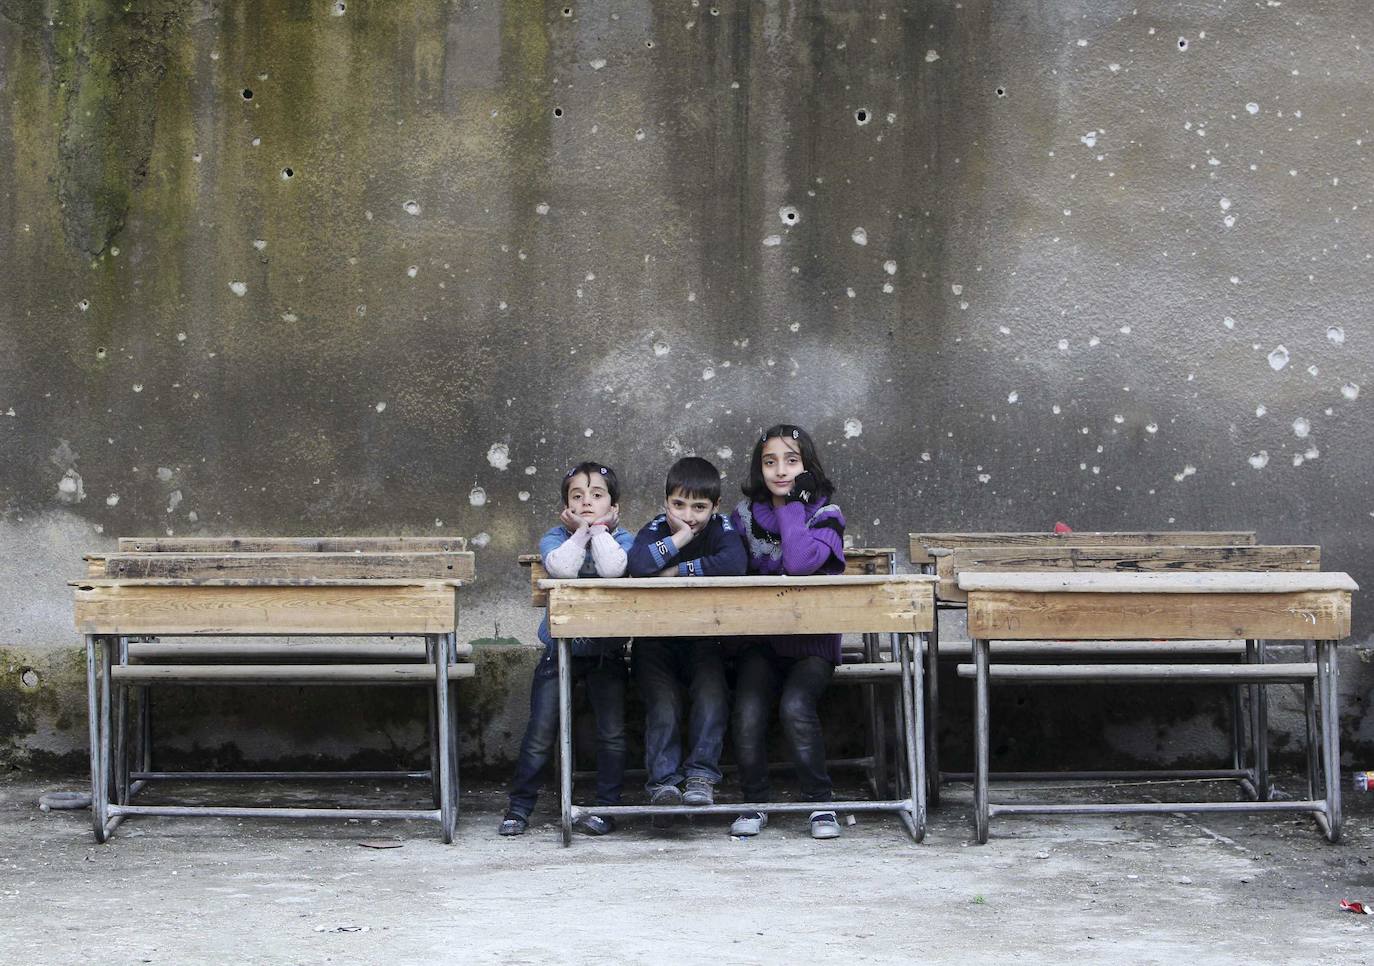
1304	606
863	656
736	606
946	553
279	586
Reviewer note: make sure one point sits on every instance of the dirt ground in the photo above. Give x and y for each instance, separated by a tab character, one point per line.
1099	889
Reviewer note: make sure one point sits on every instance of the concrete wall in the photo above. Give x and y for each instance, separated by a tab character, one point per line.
301	267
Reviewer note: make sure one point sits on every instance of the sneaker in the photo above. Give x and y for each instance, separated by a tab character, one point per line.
824	825
750	823
595	825
664	795
513	824
699	791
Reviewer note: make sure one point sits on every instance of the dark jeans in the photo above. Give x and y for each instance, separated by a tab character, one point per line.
682	678
764	678
605	678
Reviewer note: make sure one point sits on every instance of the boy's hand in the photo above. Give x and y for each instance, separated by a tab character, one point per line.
682	534
571	521
668	572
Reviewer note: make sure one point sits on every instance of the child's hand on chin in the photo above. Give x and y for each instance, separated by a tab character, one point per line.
610	521
571	521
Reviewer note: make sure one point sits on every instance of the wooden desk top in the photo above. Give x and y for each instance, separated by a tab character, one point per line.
1236	582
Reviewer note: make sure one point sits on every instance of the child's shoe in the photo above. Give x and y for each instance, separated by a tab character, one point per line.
595	825
699	791
824	825
750	823
513	824
664	795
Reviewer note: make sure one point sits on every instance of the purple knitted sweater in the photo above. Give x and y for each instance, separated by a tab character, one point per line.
798	540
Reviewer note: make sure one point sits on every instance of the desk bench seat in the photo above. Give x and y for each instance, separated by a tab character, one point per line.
412	674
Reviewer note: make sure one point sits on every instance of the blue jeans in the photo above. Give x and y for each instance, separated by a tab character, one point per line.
681	679
605	678
764	678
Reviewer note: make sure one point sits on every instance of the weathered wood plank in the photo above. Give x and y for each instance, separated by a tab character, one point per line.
1117	558
858	561
130	608
412	674
1021	615
1245	582
289	566
1145	673
291	544
924	546
730	606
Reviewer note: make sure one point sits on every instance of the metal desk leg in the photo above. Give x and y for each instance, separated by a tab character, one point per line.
93	716
565	758
919	739
1262	786
433	730
933	710
877	735
910	729
1309	706
1331	737
441	691
145	729
980	757
121	728
453	727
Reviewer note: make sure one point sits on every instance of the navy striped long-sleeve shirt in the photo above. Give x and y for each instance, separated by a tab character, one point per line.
717	551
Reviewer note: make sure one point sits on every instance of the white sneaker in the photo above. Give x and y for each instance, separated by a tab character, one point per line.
750	823
824	825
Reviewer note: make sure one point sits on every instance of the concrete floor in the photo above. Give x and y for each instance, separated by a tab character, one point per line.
1165	889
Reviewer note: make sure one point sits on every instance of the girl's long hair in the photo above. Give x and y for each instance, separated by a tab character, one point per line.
756	489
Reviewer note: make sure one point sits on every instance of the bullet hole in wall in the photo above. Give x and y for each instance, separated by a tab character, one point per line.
567	11
861	116
558	112
100	352
1001	92
287	174
247	94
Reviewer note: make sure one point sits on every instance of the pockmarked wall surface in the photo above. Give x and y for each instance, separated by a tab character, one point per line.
309	267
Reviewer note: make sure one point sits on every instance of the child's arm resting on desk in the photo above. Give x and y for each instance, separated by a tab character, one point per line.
808	547
562	553
608	551
725	554
652	550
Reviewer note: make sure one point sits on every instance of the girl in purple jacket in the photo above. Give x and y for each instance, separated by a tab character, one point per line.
790	527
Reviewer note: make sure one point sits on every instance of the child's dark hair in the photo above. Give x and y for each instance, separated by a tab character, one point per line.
756	489
695	477
592	470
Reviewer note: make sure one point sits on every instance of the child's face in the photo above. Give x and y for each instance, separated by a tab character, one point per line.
782	462
694	511
589	498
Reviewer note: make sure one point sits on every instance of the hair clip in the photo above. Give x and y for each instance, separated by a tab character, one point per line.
603	471
796	434
570	472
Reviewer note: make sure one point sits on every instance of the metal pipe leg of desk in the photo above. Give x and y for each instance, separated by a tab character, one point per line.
1309	707
565	759
932	710
1252	695
1262	785
121	729
433	730
441	691
145	728
877	734
980	739
912	816
918	685
107	659
453	729
93	720
1327	679
1238	740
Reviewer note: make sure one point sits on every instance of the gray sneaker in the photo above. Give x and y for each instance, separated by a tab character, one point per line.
699	791
750	823
664	795
824	825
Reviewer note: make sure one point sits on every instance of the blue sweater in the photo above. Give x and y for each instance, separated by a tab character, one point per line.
581	646
717	551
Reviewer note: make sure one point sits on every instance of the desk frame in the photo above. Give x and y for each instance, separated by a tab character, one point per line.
729	607
1308	607
110	610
